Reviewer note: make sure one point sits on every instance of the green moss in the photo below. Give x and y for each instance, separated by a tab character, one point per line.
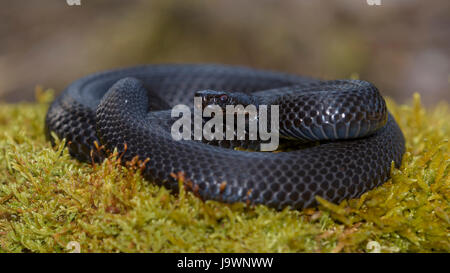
48	200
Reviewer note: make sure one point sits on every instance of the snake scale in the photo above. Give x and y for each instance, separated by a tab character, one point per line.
354	137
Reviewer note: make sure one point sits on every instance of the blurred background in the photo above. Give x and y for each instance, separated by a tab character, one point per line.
402	46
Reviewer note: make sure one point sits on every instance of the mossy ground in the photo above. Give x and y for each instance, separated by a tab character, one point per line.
48	200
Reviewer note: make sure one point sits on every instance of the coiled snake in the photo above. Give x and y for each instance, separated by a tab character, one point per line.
358	137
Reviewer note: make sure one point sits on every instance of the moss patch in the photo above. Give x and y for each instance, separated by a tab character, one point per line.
48	200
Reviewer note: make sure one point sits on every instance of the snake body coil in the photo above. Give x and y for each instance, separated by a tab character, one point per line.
359	138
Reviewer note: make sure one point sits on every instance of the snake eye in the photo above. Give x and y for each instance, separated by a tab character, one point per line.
223	98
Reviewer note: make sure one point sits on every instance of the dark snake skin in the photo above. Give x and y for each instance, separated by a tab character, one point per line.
359	138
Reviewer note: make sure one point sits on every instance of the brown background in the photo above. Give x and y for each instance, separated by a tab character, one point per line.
403	46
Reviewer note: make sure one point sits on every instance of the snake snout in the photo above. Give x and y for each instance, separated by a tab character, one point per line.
212	97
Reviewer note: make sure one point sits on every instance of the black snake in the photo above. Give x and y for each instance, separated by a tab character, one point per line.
129	109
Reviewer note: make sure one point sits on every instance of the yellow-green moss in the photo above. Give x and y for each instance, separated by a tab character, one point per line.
48	200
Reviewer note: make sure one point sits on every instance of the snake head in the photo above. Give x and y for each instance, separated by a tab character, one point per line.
223	98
